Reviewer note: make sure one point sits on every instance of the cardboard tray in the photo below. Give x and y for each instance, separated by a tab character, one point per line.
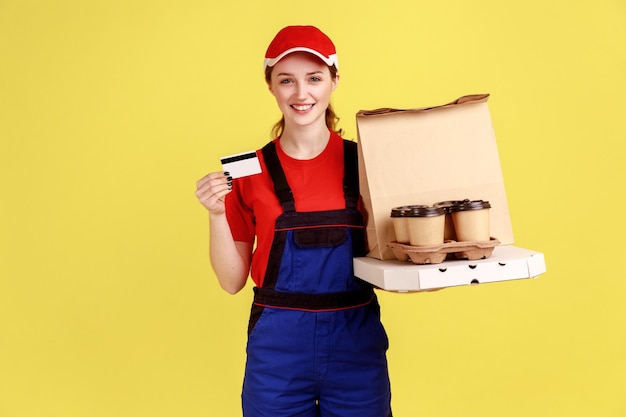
506	263
438	253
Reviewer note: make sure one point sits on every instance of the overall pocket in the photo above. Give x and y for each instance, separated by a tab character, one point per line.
322	237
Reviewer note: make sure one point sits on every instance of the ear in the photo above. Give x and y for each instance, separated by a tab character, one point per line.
335	82
269	87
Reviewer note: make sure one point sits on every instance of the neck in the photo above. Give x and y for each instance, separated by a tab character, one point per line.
304	142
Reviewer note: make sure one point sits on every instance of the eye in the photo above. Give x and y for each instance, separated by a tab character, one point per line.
315	79
285	81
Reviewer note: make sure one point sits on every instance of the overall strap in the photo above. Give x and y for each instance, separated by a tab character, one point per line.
281	187
352	193
351	174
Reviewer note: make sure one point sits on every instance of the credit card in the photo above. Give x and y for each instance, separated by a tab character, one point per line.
241	164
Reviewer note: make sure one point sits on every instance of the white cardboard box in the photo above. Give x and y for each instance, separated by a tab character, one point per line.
506	263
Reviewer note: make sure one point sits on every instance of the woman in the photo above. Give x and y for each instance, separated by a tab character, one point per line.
316	346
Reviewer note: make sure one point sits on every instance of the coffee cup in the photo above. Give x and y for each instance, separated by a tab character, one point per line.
400	224
426	225
471	220
448	230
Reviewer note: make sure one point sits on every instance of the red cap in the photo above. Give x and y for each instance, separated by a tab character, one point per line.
301	38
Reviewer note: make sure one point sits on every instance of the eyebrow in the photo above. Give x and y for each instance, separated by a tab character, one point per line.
291	75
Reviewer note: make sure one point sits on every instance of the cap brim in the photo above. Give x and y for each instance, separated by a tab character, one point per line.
328	60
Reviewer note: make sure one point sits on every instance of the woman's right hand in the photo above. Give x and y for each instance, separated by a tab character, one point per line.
211	190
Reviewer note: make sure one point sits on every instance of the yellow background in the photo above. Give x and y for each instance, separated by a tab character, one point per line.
111	110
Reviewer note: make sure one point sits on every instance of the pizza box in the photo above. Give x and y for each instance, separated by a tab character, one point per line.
506	263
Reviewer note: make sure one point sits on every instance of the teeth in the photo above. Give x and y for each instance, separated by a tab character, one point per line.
302	108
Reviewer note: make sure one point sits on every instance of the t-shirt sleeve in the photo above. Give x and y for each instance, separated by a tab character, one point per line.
240	217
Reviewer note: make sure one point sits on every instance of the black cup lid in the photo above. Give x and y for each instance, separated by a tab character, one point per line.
425	211
471	205
404	211
447	205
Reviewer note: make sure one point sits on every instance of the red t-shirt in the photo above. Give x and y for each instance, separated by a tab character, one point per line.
252	207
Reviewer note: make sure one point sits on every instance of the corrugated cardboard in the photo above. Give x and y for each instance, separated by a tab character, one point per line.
507	263
426	155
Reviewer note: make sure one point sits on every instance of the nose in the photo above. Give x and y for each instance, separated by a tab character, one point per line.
302	91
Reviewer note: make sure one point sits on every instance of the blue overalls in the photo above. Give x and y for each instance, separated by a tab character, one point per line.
316	346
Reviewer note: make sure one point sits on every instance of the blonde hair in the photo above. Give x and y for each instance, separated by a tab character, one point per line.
332	120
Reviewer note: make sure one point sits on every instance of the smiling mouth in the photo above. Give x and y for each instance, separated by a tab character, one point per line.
303	107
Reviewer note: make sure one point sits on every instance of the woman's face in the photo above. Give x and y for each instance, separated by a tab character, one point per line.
302	85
